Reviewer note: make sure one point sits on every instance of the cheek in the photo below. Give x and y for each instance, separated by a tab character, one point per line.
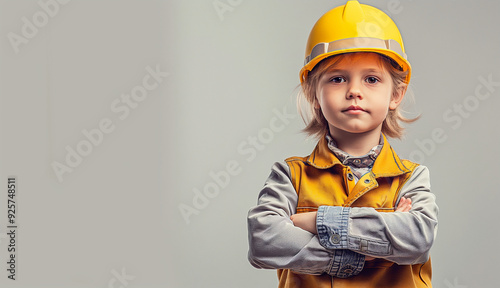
328	106
385	98
382	111
327	98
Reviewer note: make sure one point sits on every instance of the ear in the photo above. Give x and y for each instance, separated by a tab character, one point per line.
316	104
397	97
316	101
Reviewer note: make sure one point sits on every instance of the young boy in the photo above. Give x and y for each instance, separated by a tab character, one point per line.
352	213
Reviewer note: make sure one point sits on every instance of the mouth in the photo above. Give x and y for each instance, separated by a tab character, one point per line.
354	109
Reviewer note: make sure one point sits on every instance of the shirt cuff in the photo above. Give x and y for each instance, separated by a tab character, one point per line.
346	263
332	226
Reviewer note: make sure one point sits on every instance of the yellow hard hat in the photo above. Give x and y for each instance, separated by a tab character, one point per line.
354	27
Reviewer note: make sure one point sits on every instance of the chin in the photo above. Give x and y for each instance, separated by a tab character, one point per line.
357	130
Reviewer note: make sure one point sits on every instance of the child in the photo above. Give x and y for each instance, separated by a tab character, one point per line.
352	213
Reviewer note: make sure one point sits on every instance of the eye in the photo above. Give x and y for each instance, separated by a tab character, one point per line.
337	79
372	80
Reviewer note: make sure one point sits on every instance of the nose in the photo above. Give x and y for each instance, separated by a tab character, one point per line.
353	92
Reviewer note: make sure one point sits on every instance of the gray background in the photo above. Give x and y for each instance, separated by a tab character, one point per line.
118	210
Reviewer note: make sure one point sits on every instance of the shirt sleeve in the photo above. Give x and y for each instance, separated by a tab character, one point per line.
275	243
401	237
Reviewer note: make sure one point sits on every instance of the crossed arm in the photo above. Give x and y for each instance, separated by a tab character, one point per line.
280	238
307	221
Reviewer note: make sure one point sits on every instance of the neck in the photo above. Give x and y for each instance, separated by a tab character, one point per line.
356	144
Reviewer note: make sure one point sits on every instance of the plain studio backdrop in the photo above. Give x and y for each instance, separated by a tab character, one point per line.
140	133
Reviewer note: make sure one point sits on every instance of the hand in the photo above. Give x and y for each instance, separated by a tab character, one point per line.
404	205
306	221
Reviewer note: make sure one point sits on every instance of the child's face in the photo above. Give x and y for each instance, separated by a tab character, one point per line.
355	96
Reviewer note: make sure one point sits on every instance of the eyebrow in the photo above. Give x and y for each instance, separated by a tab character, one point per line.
367	70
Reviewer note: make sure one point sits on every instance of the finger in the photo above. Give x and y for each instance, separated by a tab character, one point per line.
404	205
407	205
401	203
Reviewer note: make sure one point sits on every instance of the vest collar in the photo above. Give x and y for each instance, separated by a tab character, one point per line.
387	163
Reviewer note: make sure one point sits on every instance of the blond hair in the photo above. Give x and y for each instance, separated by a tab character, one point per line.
317	125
